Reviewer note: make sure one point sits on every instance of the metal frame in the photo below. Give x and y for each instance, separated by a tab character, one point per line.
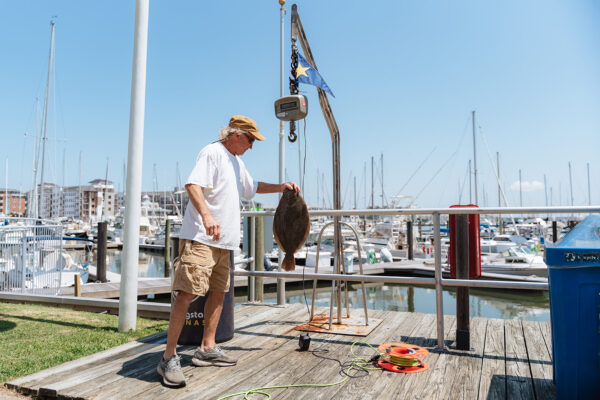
437	281
343	266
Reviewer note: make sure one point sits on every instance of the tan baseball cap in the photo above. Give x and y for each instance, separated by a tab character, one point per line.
246	124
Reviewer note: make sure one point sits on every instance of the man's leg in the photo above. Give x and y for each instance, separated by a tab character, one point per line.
212	313
176	320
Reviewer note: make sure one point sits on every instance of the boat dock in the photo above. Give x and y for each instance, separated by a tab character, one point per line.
509	359
150	286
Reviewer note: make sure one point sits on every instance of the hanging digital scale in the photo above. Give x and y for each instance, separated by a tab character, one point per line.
291	108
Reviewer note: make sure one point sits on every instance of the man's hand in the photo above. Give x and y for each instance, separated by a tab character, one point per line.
291	186
212	227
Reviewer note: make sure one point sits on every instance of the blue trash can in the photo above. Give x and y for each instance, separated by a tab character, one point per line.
574	281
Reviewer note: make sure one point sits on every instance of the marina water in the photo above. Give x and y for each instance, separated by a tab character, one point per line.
489	303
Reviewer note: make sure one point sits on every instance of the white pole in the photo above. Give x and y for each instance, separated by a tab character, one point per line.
43	134
80	195
382	192
474	162
32	208
129	271
6	209
470	189
520	191
280	281
589	190
571	183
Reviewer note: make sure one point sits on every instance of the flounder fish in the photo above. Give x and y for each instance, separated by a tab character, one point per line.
291	226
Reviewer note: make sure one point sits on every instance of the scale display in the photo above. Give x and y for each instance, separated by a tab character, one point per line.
291	108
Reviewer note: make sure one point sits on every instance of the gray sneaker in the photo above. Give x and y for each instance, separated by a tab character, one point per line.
170	370
212	358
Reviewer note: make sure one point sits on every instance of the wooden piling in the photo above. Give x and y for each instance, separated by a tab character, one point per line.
554	232
462	272
167	253
101	252
77	280
409	240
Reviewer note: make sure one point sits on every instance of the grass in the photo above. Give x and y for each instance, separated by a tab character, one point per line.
35	337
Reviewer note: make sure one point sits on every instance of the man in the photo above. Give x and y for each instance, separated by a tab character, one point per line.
210	230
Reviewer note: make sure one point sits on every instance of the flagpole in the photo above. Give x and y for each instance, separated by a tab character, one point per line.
280	281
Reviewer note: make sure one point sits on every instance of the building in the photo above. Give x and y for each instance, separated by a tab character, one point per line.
94	202
49	201
15	203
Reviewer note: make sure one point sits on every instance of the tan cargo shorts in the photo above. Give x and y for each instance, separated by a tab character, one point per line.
200	267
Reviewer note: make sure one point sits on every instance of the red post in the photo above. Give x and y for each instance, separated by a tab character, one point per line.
474	244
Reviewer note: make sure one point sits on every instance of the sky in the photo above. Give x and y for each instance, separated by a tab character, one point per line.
406	76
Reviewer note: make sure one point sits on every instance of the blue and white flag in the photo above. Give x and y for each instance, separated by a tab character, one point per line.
306	73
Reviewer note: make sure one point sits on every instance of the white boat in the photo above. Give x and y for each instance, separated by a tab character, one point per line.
517	260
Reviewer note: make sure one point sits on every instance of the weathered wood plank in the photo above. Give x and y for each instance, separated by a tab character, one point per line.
546	330
29	381
98	361
380	383
329	371
256	341
69	381
456	373
492	383
425	335
265	345
540	361
285	369
518	375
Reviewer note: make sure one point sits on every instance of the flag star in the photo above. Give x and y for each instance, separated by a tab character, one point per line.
300	70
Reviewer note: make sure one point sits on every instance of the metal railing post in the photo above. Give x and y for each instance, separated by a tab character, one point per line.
439	299
252	244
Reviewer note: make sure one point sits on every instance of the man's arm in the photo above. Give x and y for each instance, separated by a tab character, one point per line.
197	198
276	187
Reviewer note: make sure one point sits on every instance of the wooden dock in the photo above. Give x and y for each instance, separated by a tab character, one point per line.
151	286
509	359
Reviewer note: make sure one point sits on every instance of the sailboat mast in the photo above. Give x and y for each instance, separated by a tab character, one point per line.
520	191
470	183
571	183
499	191
474	160
104	205
372	182
45	115
32	203
80	196
6	209
545	190
589	191
355	192
382	192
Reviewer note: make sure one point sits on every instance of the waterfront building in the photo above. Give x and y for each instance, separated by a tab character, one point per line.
15	203
95	201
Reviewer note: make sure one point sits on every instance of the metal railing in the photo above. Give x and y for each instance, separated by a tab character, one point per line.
30	256
437	281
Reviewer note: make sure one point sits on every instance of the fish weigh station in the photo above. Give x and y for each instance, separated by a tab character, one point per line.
324	350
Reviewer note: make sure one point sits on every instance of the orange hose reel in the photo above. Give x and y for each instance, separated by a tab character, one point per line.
402	350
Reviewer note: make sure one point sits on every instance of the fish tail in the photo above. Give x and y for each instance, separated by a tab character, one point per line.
289	263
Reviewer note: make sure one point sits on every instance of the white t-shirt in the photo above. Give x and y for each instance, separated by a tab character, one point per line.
223	178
